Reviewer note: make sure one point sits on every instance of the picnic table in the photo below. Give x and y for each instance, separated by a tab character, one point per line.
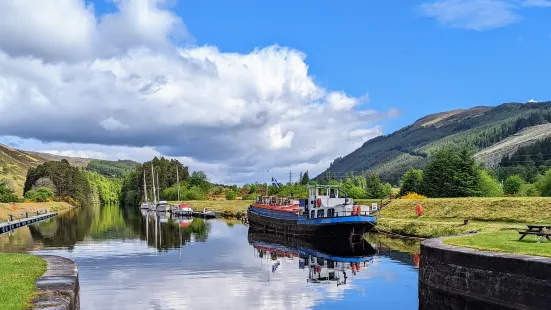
543	231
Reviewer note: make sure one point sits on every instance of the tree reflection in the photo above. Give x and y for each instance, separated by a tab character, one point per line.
111	222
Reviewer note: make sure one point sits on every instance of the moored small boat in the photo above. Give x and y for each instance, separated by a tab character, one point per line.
327	213
205	214
162	206
183	210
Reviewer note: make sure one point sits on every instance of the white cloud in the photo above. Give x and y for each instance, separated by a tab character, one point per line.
117	83
472	14
537	3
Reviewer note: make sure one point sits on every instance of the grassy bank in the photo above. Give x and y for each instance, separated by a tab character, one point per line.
501	209
223	206
18	209
504	241
18	272
431	228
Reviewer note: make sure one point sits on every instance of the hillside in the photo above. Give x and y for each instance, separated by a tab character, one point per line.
15	163
491	156
481	127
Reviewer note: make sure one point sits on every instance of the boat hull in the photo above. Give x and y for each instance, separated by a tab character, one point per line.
347	227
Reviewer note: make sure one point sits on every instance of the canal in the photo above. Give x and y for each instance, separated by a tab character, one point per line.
129	259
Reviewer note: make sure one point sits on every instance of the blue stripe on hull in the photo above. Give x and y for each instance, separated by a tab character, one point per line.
338	220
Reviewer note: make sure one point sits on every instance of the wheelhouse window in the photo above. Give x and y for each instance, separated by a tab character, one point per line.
321	213
313	214
331	212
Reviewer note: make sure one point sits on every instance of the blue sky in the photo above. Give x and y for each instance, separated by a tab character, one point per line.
235	88
390	50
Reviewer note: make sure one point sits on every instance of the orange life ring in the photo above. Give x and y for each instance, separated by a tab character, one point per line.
318	202
355	210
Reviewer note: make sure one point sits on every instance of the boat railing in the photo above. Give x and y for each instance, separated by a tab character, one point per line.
342	214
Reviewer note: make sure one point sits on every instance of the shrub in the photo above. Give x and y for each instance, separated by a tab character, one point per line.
512	185
489	187
413	196
231	195
41	194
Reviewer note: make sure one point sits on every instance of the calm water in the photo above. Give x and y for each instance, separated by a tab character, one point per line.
130	260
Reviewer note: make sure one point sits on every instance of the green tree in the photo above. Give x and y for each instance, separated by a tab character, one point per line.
512	185
451	172
489	186
305	178
231	195
544	184
411	182
374	188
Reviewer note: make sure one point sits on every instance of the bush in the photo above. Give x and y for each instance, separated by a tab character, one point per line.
512	185
529	190
544	184
231	195
489	187
41	194
251	196
195	193
413	196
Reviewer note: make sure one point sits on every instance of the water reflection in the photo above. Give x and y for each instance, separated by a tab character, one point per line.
326	262
133	260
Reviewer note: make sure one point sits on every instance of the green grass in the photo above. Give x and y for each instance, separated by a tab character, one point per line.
431	229
230	207
500	209
504	241
18	272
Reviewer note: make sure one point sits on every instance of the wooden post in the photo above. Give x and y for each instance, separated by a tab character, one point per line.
11	217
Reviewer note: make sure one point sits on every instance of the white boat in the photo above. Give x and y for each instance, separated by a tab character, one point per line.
163	206
183	210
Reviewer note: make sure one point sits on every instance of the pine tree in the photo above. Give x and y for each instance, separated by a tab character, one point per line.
452	172
305	179
411	182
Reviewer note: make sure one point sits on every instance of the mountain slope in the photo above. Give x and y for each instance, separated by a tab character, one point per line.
15	163
482	127
491	156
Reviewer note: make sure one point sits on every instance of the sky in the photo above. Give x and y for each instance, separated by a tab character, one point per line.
245	90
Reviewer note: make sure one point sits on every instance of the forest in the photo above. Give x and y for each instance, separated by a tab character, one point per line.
410	147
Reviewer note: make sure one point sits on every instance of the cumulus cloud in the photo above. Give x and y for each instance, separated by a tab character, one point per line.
120	81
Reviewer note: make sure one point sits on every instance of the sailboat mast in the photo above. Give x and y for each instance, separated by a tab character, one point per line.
178	181
158	187
145	186
153	181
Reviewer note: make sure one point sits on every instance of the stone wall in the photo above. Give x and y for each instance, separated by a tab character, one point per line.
462	278
58	288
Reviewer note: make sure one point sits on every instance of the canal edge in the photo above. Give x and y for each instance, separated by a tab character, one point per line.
58	288
509	281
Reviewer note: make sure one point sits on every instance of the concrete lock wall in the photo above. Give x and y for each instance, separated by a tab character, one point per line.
58	288
453	277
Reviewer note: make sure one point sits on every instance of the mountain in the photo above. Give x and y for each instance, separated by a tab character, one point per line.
14	164
492	131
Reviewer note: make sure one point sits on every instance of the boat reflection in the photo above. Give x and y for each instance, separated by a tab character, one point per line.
327	261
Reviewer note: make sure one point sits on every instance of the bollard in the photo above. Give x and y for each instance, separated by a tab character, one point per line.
11	218
465	222
26	214
36	212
